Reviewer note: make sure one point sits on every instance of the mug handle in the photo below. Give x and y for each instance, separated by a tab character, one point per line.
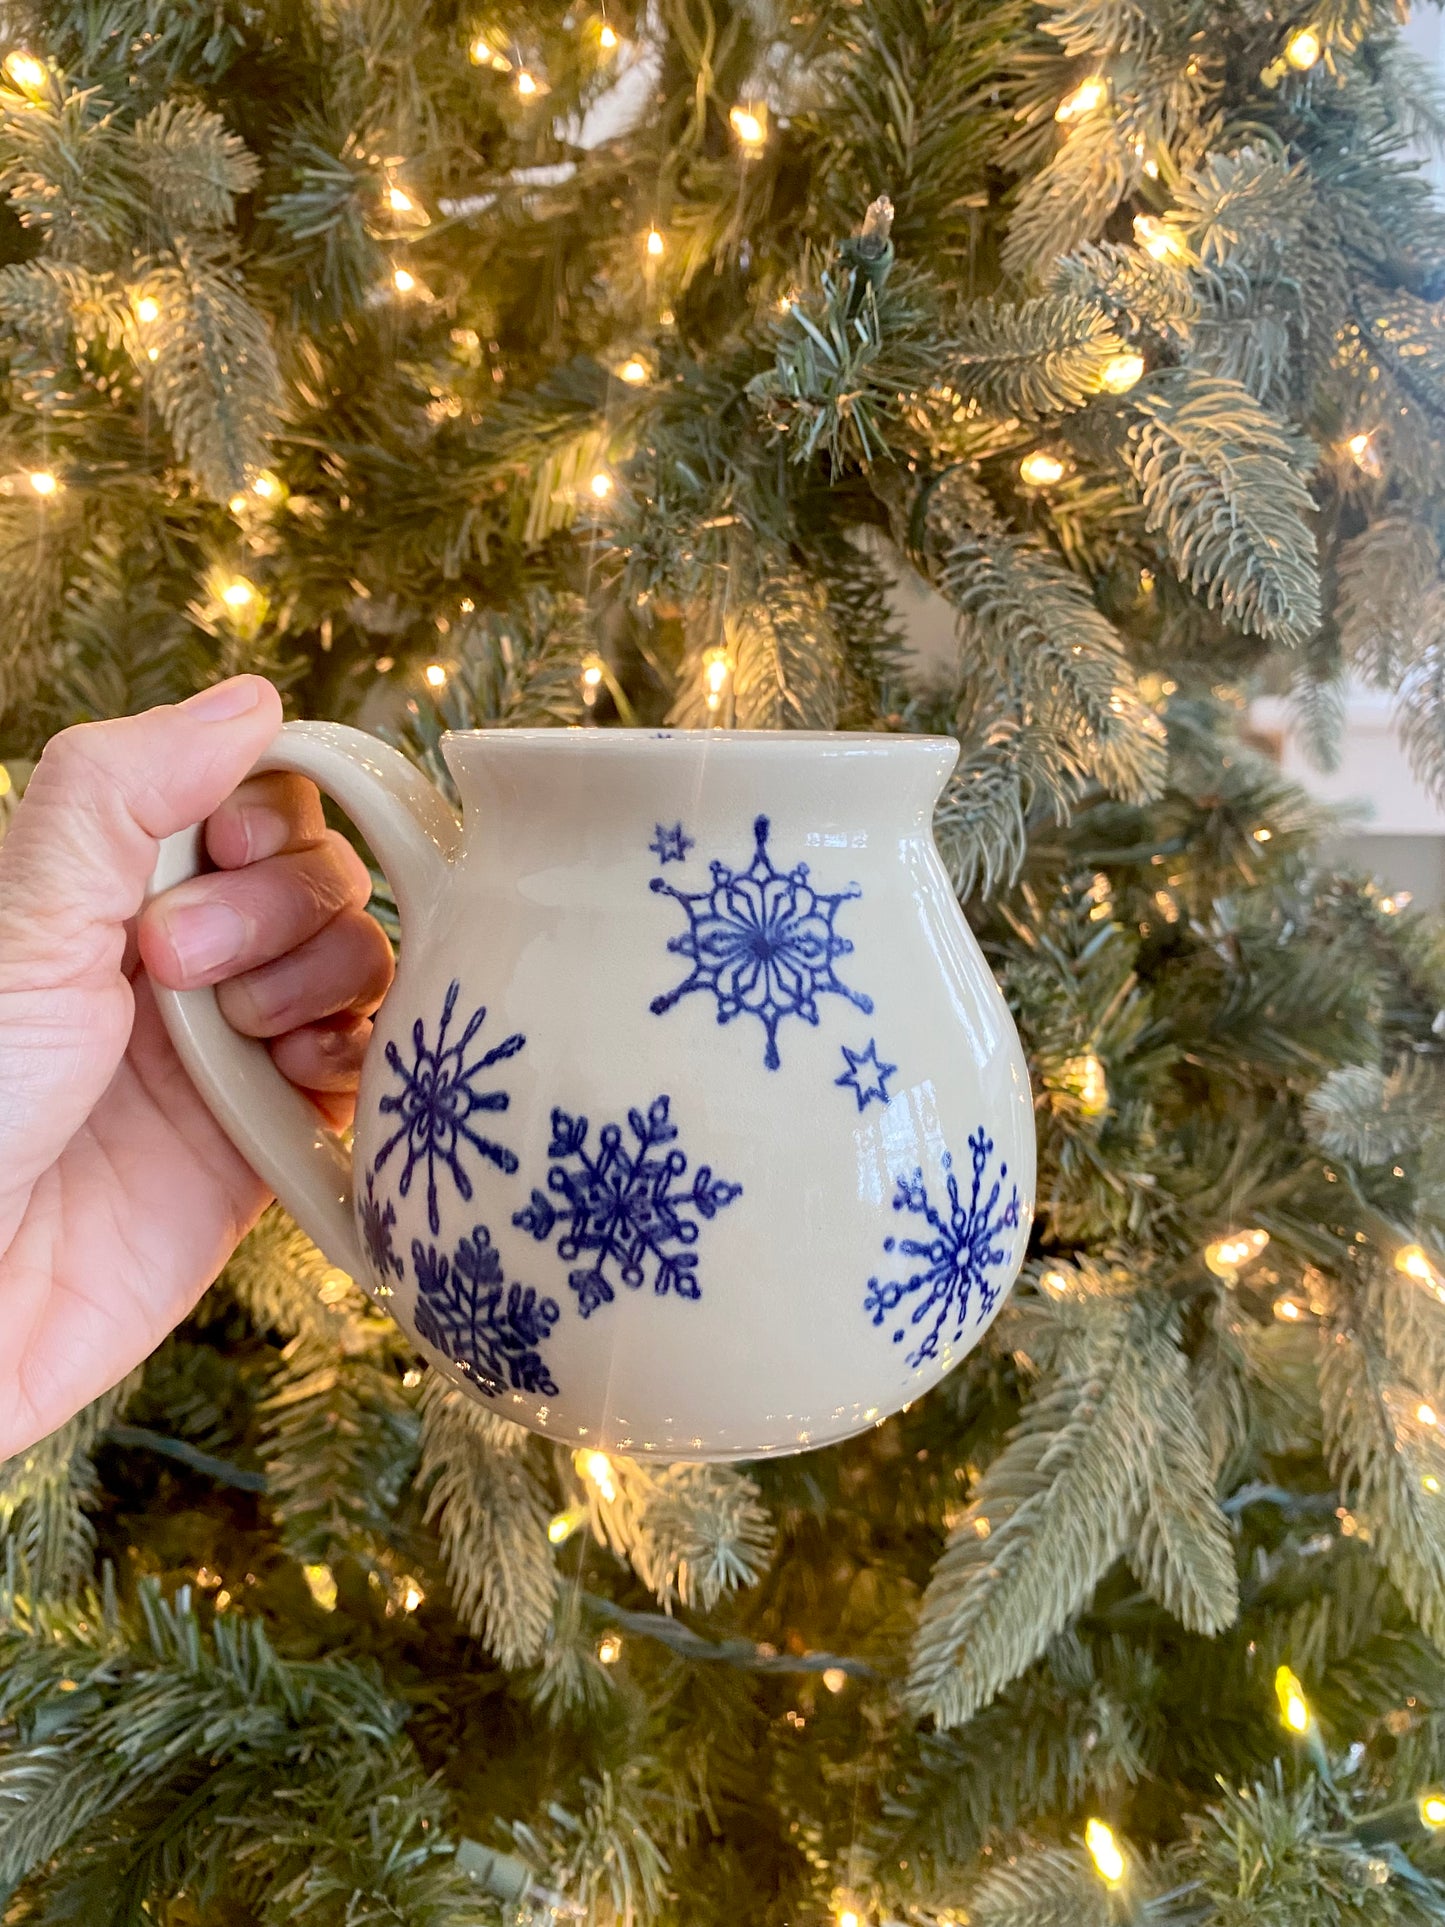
415	836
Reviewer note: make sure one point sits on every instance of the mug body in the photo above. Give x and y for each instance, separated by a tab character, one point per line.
694	1125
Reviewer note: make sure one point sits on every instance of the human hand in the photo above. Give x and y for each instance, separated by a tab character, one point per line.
120	1196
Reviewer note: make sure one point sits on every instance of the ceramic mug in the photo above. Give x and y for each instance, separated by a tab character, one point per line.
694	1124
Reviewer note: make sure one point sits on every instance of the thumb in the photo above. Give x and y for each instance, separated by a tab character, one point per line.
80	852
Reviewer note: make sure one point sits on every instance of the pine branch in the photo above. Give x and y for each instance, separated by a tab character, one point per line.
1420	697
339	1444
486	1496
215	378
1221	478
1381	1466
1142	296
1383	575
1248	205
1034	358
44	1496
691	1532
193	166
1048	1518
787	670
1068	202
1049	1887
1184	1553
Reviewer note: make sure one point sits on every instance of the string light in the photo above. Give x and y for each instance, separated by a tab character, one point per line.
25	71
607	38
1303	49
266	486
1155	239
1430	1483
44	481
609	1648
1083	100
601	485
1226	1255
526	84
1055	1282
403	280
412	1595
1415	1263
1294	1708
634	371
321	1583
716	668
1104	1850
1085	1077
436	676
1120	374
748	126
1432	1809
1287	1311
148	309
481	53
561	1527
1426	1414
655	243
1041	469
597	1467
1392	906
238	593
1357	445
835	1679
592	672
846	1917
1262	835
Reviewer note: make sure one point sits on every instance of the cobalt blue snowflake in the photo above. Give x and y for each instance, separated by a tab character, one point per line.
378	1219
625	1207
437	1101
671	845
864	1075
966	1247
492	1330
762	941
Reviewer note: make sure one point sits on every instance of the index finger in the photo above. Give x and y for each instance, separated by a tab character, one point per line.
268	815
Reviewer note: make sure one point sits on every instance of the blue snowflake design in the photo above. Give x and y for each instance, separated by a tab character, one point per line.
437	1100
965	1248
625	1207
864	1075
378	1220
492	1330
761	941
671	845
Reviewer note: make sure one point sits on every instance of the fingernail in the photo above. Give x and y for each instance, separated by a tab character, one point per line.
204	936
225	699
267	832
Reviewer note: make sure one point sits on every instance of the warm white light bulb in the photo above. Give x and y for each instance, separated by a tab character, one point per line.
609	1648
25	71
597	1467
526	84
1040	469
436	676
1226	1255
1155	239
239	593
400	202
1294	1708
716	669
1303	49
655	242
592	672
266	486
403	280
1086	1078
44	481
148	308
1121	372
1105	1852
601	485
480	52
1432	1810
748	126
634	371
606	39
1083	100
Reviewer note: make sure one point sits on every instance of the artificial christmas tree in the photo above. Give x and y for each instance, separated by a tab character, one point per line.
561	366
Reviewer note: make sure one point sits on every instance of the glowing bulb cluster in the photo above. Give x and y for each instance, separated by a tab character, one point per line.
1105	1852
1294	1708
1414	1261
1226	1256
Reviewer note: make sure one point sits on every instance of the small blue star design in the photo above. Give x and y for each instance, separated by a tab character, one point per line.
865	1076
670	844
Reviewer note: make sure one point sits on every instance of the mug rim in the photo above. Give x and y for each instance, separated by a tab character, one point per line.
630	736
